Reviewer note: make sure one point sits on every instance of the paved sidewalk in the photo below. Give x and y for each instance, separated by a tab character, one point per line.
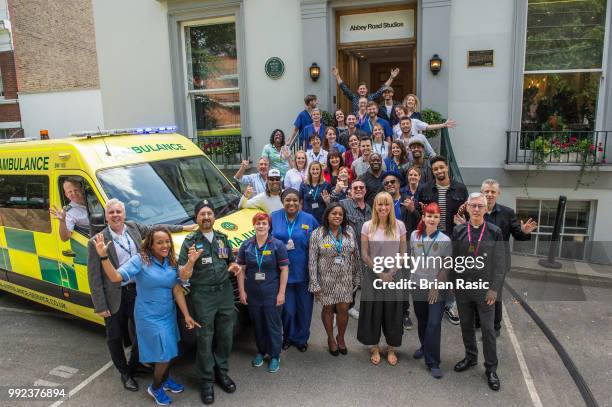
569	268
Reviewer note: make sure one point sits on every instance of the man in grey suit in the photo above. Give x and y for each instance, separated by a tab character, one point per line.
115	301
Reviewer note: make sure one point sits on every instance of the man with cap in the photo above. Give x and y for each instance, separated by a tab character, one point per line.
387	109
417	148
213	299
267	201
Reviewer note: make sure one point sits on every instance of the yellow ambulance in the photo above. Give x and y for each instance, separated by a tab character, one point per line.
158	174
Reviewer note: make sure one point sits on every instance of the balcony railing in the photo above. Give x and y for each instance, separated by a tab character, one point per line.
558	148
226	151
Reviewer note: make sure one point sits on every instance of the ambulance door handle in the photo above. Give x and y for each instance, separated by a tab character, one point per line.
68	253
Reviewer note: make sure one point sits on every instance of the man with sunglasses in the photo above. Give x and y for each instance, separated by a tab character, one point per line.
267	201
478	276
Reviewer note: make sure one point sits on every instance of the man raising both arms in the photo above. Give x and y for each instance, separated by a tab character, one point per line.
362	89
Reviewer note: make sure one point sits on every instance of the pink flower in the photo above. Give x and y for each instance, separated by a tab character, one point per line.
600	149
573	139
565	145
592	147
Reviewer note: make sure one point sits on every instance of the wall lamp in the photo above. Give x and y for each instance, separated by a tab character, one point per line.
314	71
435	64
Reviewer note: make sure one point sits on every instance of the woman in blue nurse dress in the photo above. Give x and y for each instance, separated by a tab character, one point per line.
154	270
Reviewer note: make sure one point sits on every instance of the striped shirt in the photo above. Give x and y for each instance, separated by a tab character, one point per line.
442	204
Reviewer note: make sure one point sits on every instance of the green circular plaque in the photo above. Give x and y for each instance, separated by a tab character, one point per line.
275	68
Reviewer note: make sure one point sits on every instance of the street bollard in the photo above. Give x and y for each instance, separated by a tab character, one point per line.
554	240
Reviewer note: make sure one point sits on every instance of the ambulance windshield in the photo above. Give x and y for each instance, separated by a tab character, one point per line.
167	191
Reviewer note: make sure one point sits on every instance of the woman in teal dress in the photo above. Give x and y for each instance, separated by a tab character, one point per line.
154	270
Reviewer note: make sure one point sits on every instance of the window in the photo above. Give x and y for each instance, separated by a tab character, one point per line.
179	184
575	229
24	202
563	64
212	77
92	203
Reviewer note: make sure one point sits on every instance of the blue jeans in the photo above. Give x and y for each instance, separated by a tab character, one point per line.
429	317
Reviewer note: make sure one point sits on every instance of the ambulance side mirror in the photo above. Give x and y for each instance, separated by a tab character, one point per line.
97	222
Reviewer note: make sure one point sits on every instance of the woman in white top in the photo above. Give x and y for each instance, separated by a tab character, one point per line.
295	176
433	246
379	145
381	309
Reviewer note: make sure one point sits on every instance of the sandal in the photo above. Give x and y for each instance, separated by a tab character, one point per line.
391	357
375	356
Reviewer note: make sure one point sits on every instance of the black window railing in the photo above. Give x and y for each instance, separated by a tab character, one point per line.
226	151
564	147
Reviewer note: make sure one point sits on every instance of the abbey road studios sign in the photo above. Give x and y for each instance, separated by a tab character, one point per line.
385	25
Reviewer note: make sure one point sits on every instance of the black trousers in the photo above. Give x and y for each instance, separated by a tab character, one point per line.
468	332
497	320
118	327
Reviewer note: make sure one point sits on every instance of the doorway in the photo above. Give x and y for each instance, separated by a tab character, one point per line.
370	43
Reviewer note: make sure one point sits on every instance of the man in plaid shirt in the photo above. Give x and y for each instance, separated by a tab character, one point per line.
362	89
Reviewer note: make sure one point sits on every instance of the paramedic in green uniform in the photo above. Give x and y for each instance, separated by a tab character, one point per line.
206	260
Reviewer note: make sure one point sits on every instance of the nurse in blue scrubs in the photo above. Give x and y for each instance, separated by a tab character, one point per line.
262	283
294	227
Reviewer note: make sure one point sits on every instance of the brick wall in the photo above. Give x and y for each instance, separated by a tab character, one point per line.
9	80
55	46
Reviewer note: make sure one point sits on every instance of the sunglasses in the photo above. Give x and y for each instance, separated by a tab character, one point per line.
390	182
358	187
274	178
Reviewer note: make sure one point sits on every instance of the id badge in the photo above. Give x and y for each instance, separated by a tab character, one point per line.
315	205
260	276
338	260
290	244
206	260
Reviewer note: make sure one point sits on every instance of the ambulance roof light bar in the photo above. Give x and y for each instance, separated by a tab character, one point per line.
123	132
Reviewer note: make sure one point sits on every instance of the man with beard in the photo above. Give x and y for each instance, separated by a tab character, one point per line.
368	125
213	299
417	149
450	195
373	178
115	302
362	89
482	242
267	201
387	109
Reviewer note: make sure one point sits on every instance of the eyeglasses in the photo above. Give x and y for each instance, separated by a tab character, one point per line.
358	187
274	179
476	206
391	181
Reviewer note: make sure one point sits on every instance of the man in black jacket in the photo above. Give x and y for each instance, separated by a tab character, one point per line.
449	195
386	110
504	218
478	275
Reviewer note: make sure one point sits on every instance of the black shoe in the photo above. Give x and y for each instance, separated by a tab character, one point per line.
302	348
128	382
342	351
465	364
493	380
226	383
286	344
207	393
334	352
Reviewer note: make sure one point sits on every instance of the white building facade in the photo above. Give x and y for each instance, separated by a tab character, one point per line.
518	76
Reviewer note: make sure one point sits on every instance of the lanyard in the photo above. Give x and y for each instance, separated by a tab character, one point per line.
316	192
258	258
337	242
129	246
426	251
315	157
290	225
484	225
